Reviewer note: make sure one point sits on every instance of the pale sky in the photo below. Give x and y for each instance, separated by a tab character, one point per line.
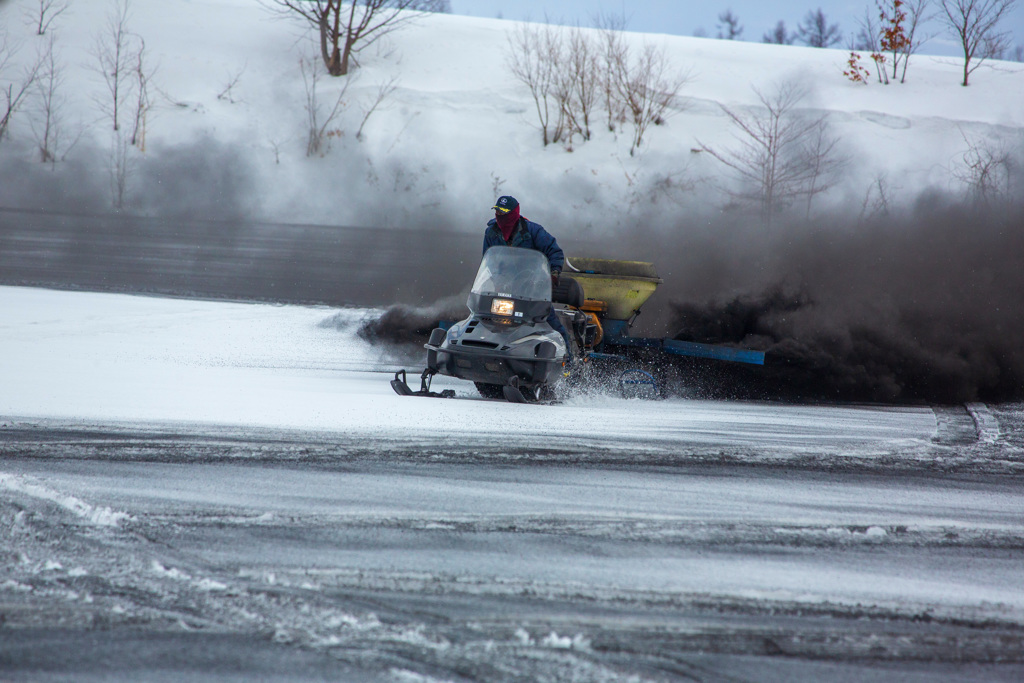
683	17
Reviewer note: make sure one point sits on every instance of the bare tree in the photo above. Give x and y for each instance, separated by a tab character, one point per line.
13	91
143	105
729	26
783	155
533	59
114	57
47	126
815	31
868	40
45	13
347	28
121	62
893	36
648	87
898	35
976	25
120	163
778	35
917	15
318	119
824	163
996	47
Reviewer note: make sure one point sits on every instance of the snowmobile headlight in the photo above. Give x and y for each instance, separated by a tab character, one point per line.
503	307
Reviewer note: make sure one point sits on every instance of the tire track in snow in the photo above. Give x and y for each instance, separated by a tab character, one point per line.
100	516
985	422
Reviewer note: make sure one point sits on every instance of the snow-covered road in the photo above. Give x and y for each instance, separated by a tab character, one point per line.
171	469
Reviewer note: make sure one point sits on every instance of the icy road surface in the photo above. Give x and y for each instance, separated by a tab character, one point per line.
219	491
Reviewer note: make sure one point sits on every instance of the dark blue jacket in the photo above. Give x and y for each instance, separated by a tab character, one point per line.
528	235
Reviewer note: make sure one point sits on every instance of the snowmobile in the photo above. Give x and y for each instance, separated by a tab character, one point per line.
509	350
507	346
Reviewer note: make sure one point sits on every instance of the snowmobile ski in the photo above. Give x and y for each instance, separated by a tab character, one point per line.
513	392
401	386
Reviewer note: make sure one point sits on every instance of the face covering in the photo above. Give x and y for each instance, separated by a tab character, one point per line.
507	222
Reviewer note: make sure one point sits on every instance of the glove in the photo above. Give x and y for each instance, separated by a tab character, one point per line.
554	278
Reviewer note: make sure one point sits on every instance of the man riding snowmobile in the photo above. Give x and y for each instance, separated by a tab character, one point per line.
507	347
509	228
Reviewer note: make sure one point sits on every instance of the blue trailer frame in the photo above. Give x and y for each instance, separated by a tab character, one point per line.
616	335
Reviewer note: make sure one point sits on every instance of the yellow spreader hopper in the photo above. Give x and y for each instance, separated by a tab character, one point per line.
623	285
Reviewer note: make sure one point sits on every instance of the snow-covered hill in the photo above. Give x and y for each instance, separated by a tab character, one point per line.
459	128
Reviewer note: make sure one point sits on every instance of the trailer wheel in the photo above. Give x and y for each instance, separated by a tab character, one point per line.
489	390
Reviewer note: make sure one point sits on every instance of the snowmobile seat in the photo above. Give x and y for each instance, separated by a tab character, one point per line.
568	291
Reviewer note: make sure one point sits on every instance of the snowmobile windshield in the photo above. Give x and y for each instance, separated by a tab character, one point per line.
514	273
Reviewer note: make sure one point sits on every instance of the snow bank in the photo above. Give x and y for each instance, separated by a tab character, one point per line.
459	129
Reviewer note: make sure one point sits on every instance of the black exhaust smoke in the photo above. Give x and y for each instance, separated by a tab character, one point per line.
411	325
921	306
928	306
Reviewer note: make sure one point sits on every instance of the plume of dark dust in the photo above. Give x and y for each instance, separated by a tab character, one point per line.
919	306
922	305
402	324
191	225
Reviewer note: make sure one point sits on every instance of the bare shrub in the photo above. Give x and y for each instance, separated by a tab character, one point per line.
579	81
534	61
647	87
568	74
878	198
318	118
613	56
227	93
384	90
987	170
783	155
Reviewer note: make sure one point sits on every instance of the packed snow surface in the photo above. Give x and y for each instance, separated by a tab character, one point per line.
174	466
111	357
